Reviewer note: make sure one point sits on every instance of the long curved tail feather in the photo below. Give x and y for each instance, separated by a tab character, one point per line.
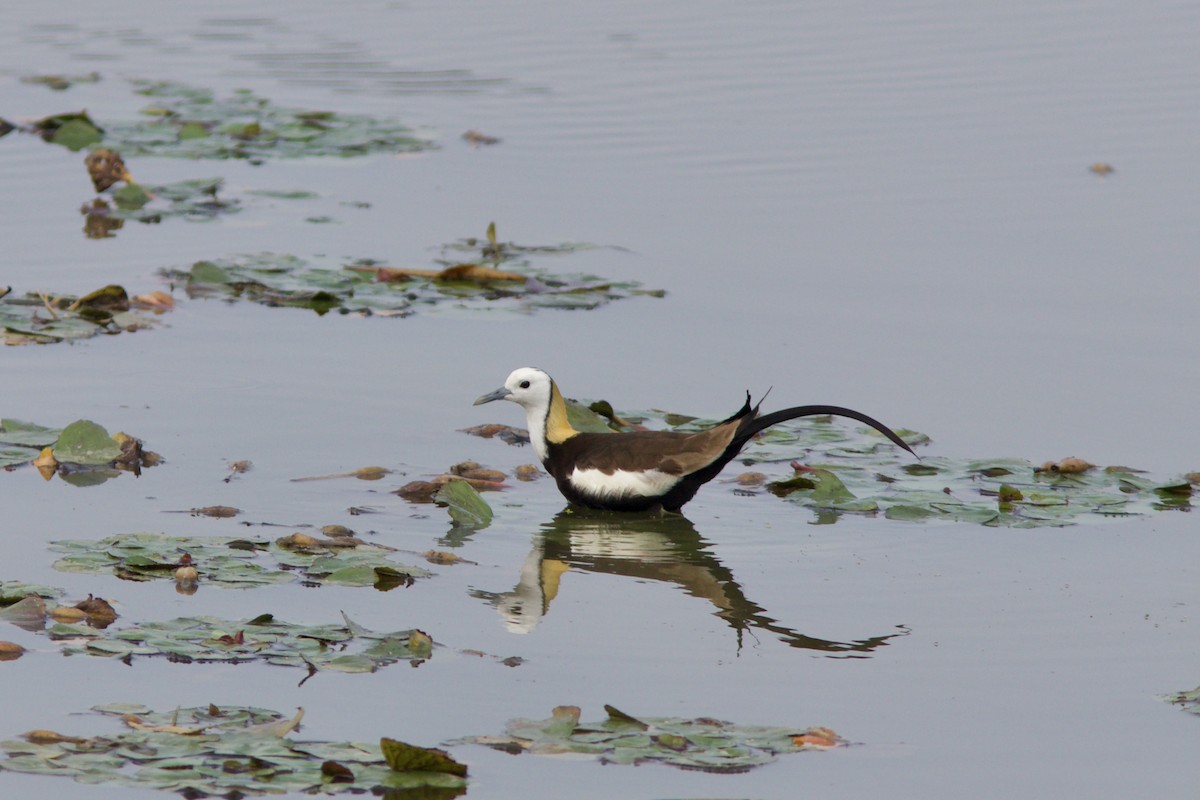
753	426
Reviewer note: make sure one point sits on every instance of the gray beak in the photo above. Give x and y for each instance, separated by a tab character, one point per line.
499	394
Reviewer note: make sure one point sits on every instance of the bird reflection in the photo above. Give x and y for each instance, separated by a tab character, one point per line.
647	546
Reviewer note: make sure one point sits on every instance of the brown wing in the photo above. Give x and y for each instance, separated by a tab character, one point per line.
668	451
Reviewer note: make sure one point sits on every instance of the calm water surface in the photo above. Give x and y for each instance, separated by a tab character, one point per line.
884	209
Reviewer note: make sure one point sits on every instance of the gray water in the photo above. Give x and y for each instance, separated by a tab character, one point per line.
887	209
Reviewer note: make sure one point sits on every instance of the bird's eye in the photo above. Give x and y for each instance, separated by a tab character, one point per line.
524	384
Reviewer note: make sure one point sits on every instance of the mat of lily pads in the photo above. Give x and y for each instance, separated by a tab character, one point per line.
237	562
342	648
703	744
40	318
182	121
229	751
286	280
841	468
82	454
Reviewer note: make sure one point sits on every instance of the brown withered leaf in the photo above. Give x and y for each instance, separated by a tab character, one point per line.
444	558
10	651
105	167
418	491
1068	466
106	298
823	738
97	609
336	772
527	472
158	301
215	511
51	737
457	272
476	138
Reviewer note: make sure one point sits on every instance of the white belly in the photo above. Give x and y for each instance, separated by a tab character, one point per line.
594	483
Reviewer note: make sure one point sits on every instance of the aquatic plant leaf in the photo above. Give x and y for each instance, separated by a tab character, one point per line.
47	319
324	285
263	638
233	562
707	744
227	751
466	506
28	434
85	442
405	757
192	122
14	591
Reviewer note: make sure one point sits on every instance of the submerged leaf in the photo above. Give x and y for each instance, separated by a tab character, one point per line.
404	757
467	507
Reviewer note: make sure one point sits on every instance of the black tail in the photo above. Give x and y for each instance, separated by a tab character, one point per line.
753	426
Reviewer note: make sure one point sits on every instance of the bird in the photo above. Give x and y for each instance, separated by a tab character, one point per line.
640	470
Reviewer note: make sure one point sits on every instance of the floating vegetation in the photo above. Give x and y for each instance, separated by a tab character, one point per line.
83	453
285	280
341	648
230	751
1189	701
42	318
701	744
238	562
14	591
60	83
840	469
467	508
191	122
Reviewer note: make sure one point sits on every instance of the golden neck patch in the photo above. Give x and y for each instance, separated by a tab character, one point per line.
558	428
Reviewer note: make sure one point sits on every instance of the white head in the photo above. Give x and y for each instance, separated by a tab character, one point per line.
531	389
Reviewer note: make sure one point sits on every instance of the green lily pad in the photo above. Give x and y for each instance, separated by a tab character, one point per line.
345	648
38	319
235	562
84	442
466	506
705	744
14	591
227	751
191	122
285	280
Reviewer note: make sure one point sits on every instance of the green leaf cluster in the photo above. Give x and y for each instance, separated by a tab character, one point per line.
703	744
191	122
227	751
286	280
340	648
236	563
35	319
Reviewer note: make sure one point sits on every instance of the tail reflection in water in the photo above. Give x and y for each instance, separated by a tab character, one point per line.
648	547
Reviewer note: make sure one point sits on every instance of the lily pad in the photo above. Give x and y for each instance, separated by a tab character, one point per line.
704	744
341	648
235	562
191	122
286	280
86	443
14	591
47	319
228	751
467	507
